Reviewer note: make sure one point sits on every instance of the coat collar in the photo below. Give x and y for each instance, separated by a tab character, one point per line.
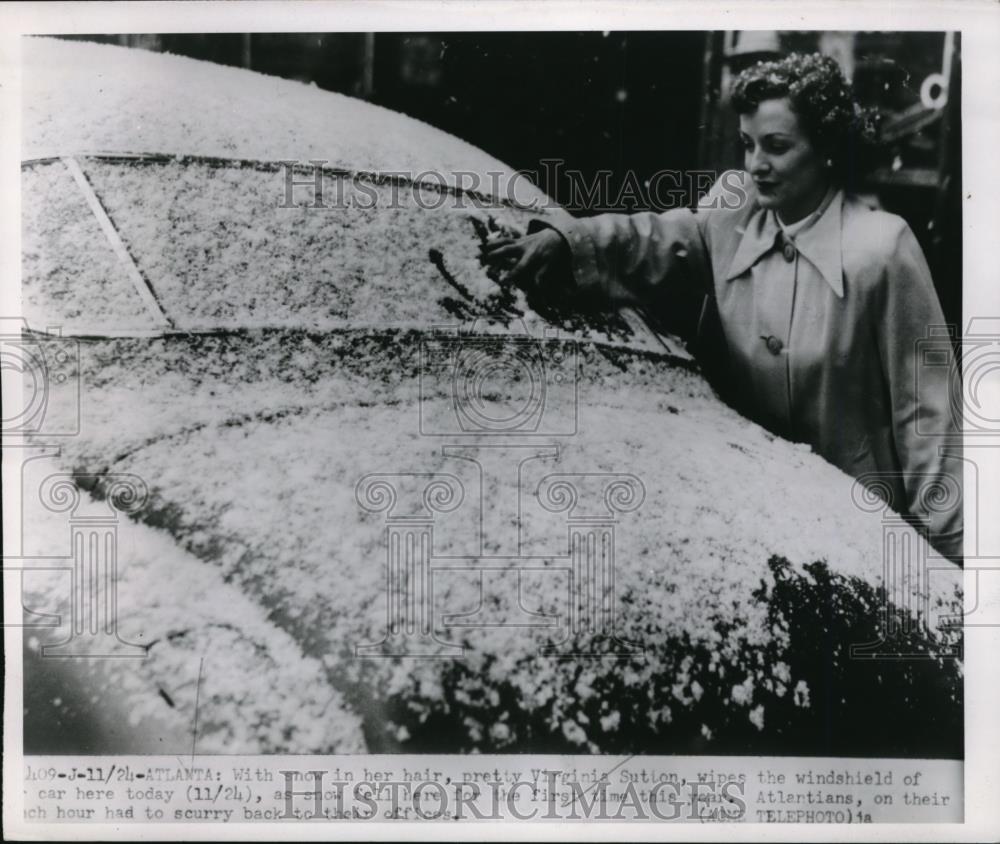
819	243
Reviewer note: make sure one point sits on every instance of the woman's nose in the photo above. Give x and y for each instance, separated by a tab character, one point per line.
758	164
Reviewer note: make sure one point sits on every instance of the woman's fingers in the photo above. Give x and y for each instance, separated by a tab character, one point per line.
523	269
502	252
499	243
524	256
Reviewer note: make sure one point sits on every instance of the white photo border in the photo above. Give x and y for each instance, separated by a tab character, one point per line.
979	23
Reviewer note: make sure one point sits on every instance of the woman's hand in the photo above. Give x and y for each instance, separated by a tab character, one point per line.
528	259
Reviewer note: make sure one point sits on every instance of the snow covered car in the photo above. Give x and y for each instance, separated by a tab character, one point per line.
339	523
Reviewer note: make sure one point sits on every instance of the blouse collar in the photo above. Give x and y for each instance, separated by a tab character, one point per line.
819	243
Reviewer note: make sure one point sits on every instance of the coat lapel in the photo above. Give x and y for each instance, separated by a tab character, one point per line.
820	243
758	239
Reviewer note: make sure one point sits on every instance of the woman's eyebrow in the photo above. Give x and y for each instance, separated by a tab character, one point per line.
781	135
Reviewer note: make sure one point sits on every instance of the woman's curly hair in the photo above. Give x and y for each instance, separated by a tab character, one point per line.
822	98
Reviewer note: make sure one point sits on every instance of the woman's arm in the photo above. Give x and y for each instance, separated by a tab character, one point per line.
645	259
657	262
636	259
923	417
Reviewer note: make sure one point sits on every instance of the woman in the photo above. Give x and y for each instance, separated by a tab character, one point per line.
822	300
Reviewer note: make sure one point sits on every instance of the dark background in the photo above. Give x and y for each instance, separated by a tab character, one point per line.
631	104
521	97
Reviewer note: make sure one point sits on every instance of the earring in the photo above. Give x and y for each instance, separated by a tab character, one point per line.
829	162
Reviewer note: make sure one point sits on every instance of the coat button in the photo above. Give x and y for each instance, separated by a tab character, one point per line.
788	251
774	344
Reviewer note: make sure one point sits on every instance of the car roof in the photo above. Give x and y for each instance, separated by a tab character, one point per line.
82	97
167	194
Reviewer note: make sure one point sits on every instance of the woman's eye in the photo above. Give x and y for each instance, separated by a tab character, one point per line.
746	143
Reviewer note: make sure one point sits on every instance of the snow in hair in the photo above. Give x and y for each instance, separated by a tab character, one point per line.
819	95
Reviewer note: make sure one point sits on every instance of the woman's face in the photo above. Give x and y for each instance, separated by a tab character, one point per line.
790	175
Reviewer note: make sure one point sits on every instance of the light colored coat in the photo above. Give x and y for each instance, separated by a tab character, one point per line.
827	335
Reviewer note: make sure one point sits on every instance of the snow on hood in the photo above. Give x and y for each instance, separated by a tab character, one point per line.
741	539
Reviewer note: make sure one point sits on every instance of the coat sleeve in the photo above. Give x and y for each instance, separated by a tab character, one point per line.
921	385
636	259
